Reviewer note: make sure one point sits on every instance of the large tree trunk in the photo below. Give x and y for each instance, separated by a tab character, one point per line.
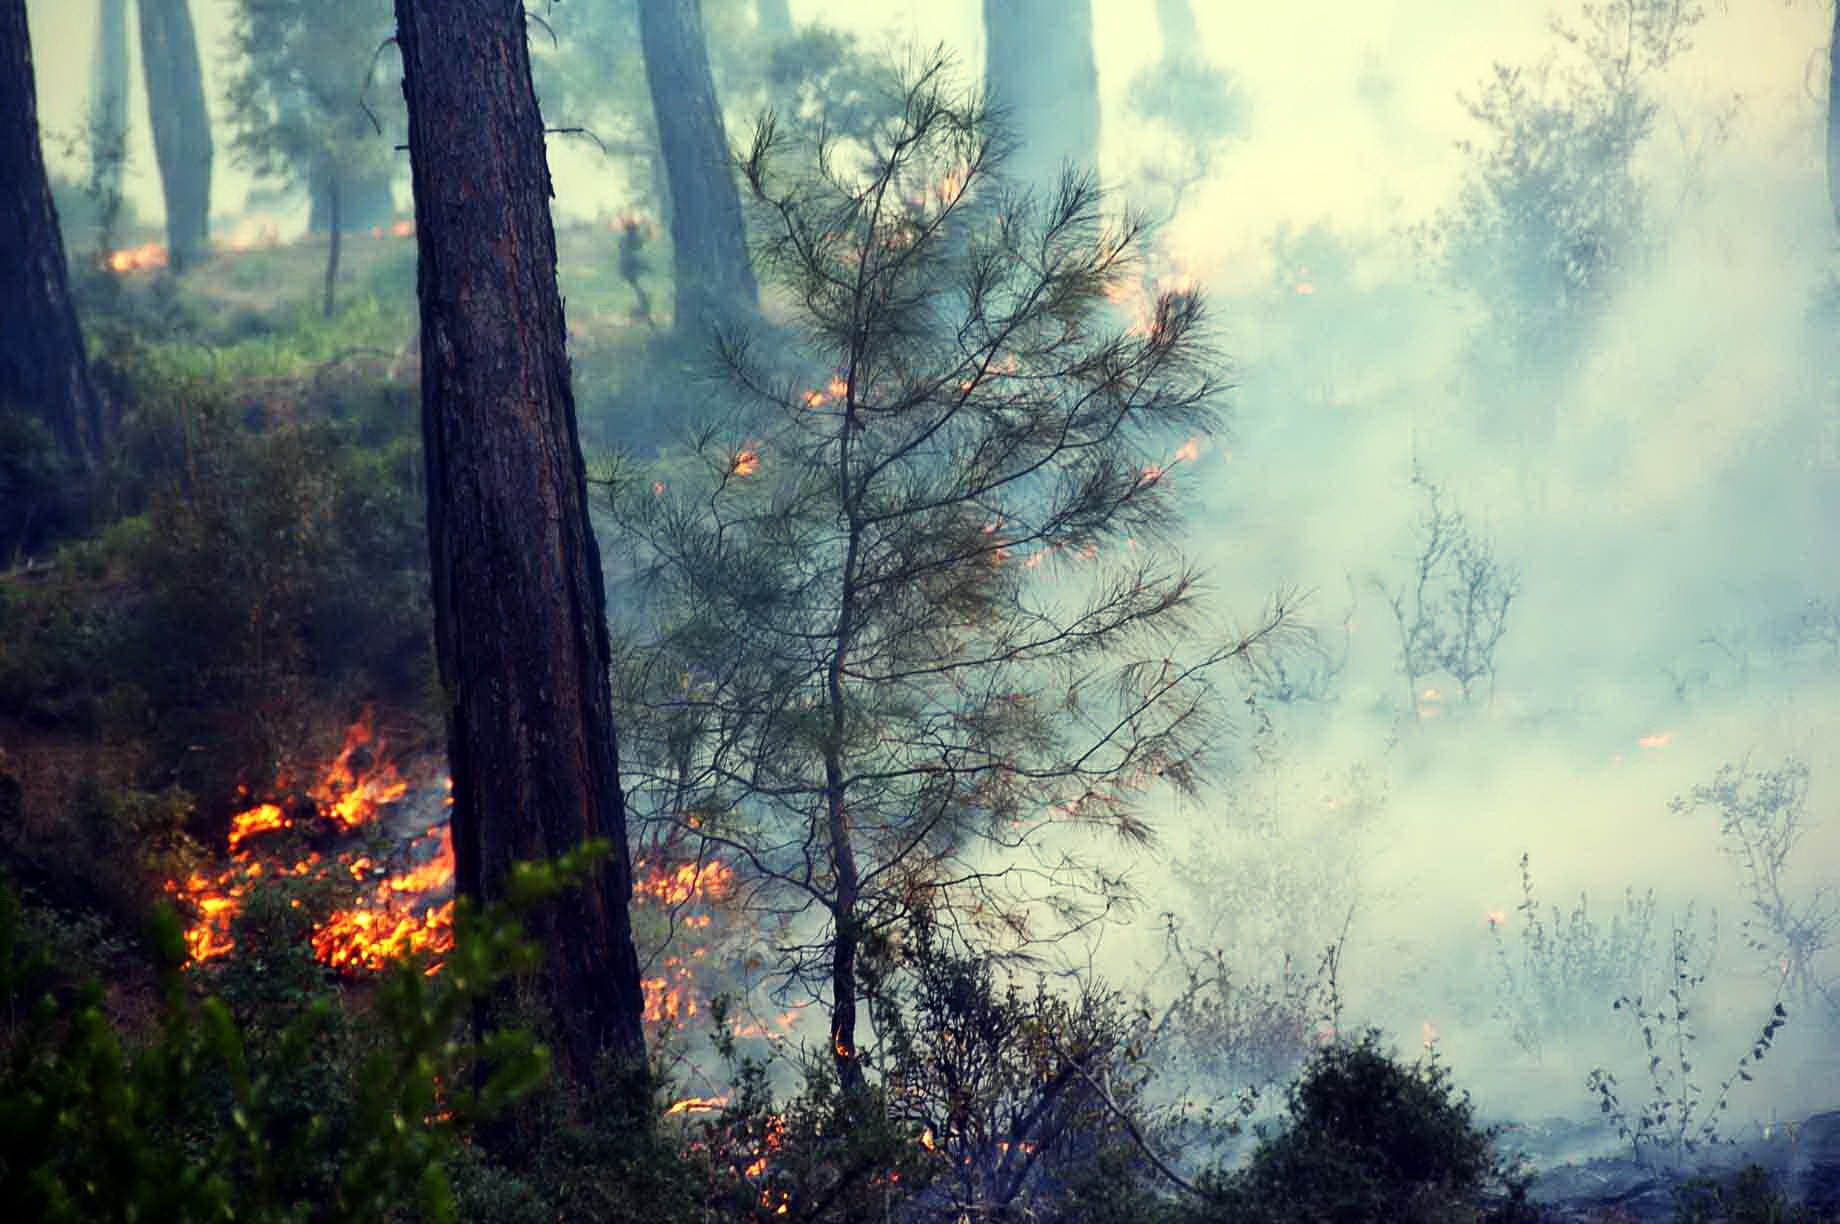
181	125
520	609
43	368
1040	73
714	281
108	100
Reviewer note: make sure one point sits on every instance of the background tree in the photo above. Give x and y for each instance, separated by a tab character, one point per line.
713	279
774	17
43	368
1197	106
297	104
1552	219
108	113
1043	81
915	620
520	610
181	125
1833	116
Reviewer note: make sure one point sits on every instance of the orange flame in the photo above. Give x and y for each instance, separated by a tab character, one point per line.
408	911
260	819
353	797
143	258
691	1105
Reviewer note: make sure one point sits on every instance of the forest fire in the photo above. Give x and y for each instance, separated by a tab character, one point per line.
407	906
325	837
146	257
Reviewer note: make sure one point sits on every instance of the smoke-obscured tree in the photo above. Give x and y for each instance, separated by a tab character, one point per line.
914	629
298	102
181	125
1833	116
43	368
108	115
1550	221
774	17
1042	79
1451	608
712	277
1196	105
520	608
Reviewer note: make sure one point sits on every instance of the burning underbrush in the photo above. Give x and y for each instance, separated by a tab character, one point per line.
367	836
364	844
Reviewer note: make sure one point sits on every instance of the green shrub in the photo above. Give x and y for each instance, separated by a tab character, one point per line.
299	1109
1367	1139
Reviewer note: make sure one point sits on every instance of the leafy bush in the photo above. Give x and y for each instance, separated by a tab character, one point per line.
196	1120
1570	968
43	496
1367	1139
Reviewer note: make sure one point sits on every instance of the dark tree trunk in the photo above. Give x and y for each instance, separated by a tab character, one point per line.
334	233
774	17
714	282
1833	116
1040	73
108	98
181	125
365	202
520	609
43	368
1175	20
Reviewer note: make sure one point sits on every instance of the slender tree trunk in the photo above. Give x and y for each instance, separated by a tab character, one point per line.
181	125
365	202
1041	74
846	932
1833	115
714	281
335	230
520	608
108	108
774	17
43	368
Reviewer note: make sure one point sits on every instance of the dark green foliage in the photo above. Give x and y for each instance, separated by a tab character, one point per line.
1017	1093
1368	1138
278	563
43	493
1748	1197
265	1100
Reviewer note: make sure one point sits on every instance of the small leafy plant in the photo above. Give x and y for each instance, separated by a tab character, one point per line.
1678	1118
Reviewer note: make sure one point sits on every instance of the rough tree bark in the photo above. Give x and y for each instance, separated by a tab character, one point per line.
43	368
714	281
520	608
1040	73
181	125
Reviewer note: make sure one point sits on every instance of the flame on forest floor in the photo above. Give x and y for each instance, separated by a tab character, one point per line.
406	907
398	896
143	258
